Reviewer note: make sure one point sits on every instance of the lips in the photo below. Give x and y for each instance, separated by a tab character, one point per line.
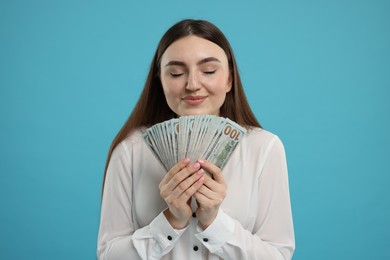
194	100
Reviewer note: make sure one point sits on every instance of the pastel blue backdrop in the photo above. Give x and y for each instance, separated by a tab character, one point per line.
317	73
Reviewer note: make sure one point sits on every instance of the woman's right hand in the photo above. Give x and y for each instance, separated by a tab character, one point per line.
177	187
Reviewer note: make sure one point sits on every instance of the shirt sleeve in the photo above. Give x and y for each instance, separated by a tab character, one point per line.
274	234
118	238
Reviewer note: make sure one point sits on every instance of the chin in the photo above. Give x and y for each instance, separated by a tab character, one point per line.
194	113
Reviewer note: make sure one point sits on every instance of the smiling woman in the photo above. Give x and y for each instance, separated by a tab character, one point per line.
240	212
195	76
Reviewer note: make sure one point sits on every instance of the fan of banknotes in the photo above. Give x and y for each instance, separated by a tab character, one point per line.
206	137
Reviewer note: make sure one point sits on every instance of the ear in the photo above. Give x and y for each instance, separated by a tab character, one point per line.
229	83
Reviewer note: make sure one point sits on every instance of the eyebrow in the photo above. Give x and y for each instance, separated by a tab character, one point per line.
202	61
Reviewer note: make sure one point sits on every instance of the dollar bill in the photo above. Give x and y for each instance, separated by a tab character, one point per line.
197	137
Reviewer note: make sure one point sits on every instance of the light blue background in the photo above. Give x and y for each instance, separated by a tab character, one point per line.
317	73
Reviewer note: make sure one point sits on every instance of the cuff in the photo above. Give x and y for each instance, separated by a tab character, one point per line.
161	232
218	233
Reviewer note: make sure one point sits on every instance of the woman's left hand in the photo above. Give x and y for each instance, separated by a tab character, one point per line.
210	195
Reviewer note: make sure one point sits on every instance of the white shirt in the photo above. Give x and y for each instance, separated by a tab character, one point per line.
254	220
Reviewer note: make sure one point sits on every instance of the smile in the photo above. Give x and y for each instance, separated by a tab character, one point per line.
194	100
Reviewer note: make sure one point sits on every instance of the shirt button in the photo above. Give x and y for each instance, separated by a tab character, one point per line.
169	237
196	248
205	239
194	215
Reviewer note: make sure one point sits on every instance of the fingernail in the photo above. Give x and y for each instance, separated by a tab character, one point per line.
186	160
196	165
200	172
201	179
200	161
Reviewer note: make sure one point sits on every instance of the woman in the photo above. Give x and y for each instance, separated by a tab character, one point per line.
242	212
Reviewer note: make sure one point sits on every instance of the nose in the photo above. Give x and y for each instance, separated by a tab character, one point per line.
192	83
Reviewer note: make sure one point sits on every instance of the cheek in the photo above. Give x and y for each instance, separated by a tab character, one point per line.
218	85
171	92
166	86
170	86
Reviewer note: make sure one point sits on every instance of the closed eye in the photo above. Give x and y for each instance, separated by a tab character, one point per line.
176	75
209	72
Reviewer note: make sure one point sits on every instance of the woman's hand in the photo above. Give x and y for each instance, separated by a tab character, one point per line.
177	188
210	195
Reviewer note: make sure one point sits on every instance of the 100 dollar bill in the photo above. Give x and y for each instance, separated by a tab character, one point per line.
205	137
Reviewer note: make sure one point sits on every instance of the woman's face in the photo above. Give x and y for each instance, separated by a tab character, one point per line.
195	76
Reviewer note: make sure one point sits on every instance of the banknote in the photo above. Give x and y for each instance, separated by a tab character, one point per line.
205	137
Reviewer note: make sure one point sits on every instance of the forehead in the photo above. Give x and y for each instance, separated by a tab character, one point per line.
192	49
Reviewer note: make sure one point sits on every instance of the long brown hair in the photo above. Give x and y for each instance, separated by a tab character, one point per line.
152	107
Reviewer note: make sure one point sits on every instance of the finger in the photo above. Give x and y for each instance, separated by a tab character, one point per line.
208	199
178	167
191	191
179	177
177	201
174	170
186	186
168	186
206	192
201	199
212	194
209	181
212	189
213	170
